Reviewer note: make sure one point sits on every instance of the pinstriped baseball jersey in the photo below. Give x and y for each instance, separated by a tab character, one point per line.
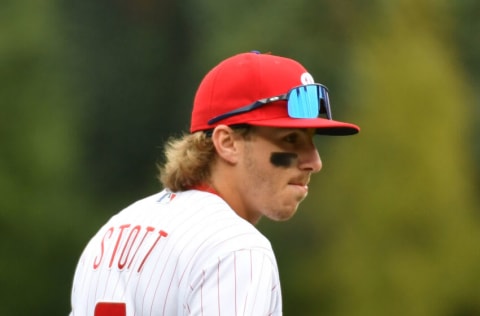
185	253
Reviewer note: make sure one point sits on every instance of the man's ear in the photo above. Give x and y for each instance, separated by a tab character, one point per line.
226	143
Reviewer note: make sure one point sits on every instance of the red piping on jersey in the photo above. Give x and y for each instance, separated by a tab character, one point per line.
205	188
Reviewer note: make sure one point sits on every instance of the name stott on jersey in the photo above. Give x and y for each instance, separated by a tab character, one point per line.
185	253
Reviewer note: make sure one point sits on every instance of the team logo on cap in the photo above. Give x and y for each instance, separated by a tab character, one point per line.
306	78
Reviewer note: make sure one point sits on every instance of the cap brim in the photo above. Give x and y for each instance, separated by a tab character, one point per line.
322	126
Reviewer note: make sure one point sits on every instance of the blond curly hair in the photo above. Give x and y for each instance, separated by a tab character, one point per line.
188	159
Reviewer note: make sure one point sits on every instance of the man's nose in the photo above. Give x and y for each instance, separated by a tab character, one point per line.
310	160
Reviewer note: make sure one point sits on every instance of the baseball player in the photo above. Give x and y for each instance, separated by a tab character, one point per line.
193	249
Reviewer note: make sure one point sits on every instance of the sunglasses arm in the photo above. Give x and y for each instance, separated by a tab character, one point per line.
247	108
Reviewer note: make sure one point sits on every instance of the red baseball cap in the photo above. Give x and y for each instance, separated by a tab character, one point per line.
245	78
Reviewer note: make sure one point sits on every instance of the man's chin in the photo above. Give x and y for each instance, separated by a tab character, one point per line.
284	215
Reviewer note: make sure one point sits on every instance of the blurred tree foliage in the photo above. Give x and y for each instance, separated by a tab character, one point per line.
397	215
132	73
91	89
41	196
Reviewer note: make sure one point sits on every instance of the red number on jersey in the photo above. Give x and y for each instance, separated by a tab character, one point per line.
110	309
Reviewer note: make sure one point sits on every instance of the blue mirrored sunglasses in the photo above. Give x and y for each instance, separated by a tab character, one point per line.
307	101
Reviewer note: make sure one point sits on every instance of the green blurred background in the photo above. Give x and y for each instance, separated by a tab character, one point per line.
91	89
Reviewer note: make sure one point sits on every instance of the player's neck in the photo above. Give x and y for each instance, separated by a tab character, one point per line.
226	188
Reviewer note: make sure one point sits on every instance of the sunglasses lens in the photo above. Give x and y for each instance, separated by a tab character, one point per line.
304	101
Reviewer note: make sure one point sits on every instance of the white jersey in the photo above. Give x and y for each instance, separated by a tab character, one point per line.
185	253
